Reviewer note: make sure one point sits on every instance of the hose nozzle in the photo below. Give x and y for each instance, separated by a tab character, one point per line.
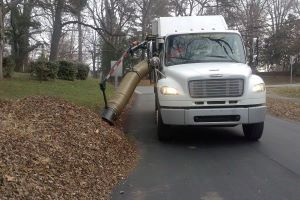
109	115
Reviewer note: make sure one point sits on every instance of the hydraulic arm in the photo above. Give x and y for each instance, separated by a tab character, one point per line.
127	86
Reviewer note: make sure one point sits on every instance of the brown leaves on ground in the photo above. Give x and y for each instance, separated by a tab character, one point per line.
52	149
284	108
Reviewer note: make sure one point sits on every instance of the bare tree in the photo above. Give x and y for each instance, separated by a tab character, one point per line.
57	29
278	11
147	10
189	7
111	19
297	7
144	14
1	37
92	46
62	6
66	48
76	7
80	37
250	18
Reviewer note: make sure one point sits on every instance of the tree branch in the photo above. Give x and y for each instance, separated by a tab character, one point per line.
91	26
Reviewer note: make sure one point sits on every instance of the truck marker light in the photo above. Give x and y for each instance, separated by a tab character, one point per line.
259	87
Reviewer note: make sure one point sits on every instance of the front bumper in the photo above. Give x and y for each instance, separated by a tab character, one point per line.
213	116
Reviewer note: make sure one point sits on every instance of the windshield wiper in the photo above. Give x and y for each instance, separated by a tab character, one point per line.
218	41
180	58
184	60
217	56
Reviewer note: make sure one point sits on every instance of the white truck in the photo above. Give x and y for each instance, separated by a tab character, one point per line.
203	78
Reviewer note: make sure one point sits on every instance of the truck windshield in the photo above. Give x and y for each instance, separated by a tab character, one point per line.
204	47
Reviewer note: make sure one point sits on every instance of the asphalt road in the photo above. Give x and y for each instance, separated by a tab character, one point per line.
211	163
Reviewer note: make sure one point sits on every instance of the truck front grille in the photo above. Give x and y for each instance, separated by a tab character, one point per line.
213	88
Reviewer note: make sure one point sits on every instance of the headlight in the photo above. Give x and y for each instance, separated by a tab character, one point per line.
165	90
259	88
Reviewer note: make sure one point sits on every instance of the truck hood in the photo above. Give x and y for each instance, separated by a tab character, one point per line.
208	70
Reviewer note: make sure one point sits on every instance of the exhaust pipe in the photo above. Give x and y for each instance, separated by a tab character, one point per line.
124	92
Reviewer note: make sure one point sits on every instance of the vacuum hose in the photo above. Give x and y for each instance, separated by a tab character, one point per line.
124	92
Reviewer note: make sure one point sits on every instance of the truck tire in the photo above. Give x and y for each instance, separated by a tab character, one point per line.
253	132
163	132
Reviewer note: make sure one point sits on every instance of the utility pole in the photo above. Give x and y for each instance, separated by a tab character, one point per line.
292	61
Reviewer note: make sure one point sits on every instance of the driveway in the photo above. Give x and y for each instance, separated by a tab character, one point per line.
211	163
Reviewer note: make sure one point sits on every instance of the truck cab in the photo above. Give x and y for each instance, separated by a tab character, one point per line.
203	78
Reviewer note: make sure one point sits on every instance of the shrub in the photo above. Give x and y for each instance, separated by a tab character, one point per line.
53	67
44	70
67	71
8	66
83	71
297	66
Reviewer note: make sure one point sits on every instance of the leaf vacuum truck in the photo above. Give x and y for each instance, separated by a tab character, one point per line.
202	77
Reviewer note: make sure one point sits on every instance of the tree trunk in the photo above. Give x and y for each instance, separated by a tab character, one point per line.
80	41
57	29
94	65
94	56
1	39
20	31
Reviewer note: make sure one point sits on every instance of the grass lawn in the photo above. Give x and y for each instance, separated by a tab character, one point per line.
84	93
274	80
293	92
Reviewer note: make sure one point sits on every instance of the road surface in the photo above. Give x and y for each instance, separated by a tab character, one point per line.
211	163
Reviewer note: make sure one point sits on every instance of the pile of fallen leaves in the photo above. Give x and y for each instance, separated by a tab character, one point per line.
284	108
52	149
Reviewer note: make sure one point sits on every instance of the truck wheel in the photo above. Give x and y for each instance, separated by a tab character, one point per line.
253	132
163	131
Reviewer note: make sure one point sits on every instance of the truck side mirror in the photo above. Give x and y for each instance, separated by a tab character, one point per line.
151	49
247	52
